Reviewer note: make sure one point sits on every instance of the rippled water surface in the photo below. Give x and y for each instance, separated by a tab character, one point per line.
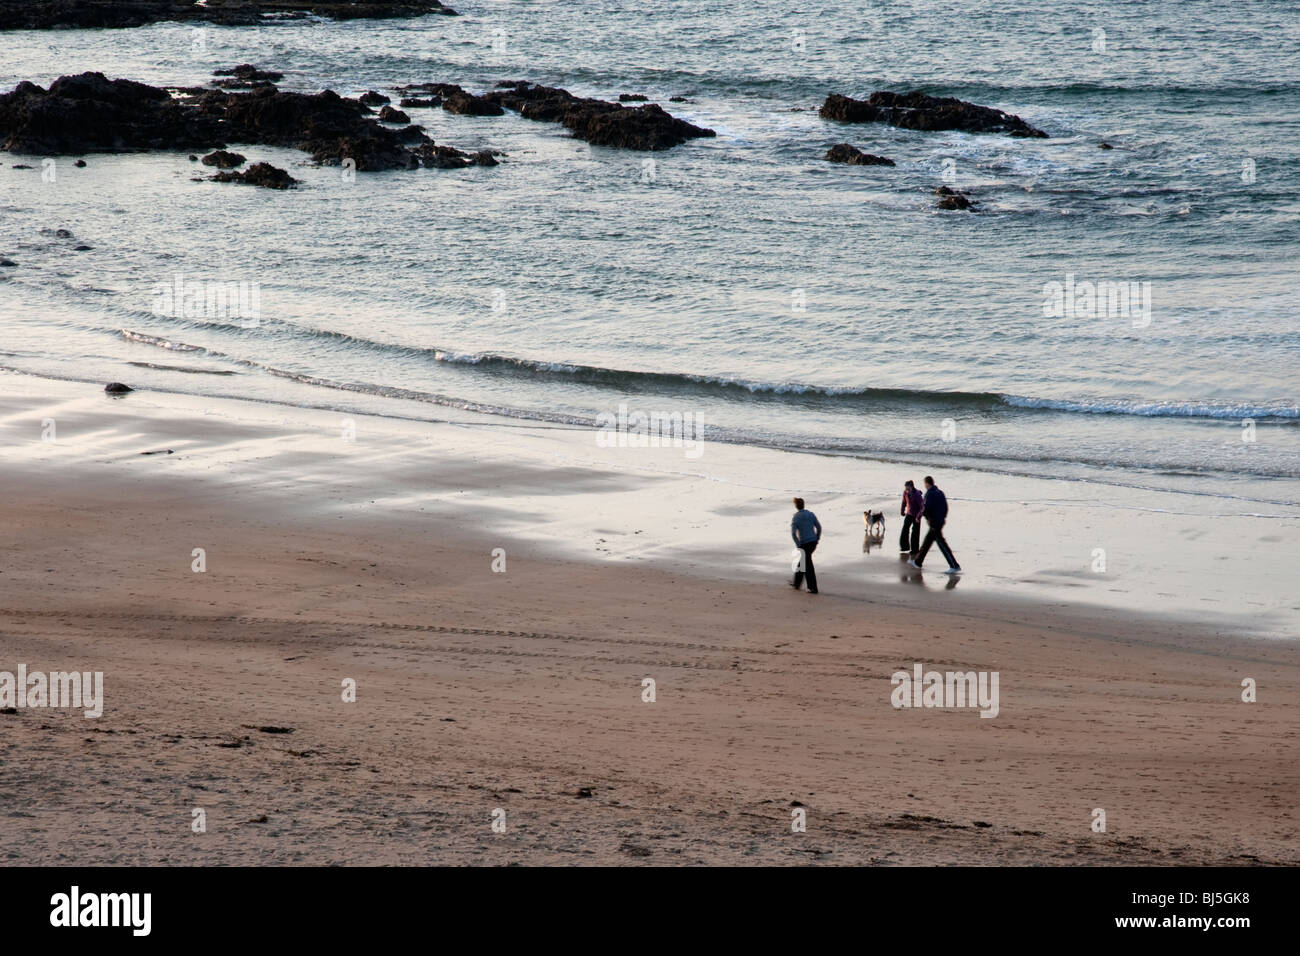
784	299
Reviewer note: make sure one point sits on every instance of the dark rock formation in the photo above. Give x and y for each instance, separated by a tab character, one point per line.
371	98
444	157
844	153
631	98
248	72
412	135
43	14
953	199
7	263
677	99
259	174
1107	146
117	388
223	159
237	84
439	89
80	164
89	113
598	122
246	77
410	101
646	127
308	122
458	101
390	115
916	110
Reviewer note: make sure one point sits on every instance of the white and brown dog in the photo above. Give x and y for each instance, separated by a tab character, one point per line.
875	521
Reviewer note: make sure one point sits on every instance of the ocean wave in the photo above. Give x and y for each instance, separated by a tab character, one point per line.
158	341
724	386
1022	459
1227	411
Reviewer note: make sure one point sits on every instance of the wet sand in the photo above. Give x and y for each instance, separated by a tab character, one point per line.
522	690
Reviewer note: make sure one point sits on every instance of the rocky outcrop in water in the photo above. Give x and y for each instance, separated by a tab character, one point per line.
223	159
439	89
90	113
598	122
916	110
844	153
389	115
458	101
444	157
245	77
44	14
259	174
953	199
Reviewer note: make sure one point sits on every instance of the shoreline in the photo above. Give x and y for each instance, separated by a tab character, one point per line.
1036	539
477	690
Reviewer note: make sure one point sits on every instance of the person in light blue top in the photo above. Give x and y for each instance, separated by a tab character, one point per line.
806	530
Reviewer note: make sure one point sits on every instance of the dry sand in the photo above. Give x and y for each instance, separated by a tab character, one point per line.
522	690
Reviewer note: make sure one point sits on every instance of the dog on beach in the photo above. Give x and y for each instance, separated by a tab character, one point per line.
875	521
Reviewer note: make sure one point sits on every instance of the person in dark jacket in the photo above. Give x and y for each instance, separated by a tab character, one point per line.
935	510
806	530
913	506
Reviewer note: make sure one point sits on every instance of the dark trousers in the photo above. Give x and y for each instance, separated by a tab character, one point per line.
935	536
912	525
808	568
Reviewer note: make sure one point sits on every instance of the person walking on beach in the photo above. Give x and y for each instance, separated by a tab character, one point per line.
913	505
805	529
935	510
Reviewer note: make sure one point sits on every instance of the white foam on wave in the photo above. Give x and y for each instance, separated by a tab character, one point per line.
1157	409
159	342
466	358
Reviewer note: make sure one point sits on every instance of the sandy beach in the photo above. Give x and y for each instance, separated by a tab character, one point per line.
357	548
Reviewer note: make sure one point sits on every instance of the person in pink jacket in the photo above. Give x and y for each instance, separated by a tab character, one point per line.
913	503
